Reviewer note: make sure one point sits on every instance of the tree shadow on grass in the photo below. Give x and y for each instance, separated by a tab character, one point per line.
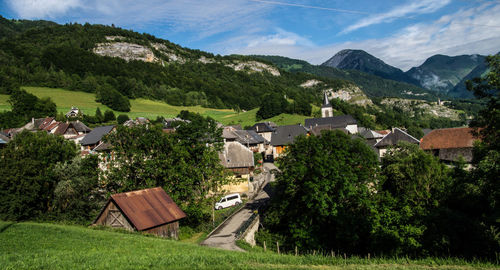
6	226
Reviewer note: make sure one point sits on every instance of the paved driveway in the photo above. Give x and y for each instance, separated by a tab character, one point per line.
225	236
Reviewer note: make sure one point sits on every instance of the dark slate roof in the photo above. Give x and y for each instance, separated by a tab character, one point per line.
102	147
284	135
237	127
335	122
326	102
148	208
263	127
81	127
96	135
316	131
248	137
368	133
394	137
4	139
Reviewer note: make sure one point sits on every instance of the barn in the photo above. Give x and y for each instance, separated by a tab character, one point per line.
148	210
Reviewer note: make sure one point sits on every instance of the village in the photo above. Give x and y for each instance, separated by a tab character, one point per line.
245	154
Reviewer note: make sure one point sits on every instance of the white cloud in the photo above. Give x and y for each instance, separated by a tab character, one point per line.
36	9
203	18
468	31
417	7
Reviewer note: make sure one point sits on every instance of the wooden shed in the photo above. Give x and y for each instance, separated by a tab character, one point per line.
148	210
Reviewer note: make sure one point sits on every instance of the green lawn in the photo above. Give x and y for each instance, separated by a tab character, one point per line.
65	99
30	245
4	105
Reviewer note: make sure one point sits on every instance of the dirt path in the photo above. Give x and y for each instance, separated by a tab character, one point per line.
225	236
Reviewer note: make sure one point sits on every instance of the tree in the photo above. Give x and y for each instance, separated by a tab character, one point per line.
109	116
272	105
98	115
122	118
109	96
24	107
484	177
186	164
26	180
78	196
323	196
415	185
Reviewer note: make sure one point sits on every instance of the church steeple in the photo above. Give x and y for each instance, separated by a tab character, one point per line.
326	109
325	100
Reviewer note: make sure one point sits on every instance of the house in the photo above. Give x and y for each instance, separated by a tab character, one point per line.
252	140
237	158
80	127
171	124
450	143
94	138
284	135
372	137
342	121
264	129
326	109
67	130
148	210
137	121
74	112
391	139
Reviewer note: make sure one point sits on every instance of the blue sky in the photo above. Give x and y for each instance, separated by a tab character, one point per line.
403	33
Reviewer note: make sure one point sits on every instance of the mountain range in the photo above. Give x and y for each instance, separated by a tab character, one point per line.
119	64
439	73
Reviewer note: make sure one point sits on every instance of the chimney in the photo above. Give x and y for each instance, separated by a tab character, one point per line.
33	120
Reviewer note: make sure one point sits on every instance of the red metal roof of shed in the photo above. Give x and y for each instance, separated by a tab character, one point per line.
148	208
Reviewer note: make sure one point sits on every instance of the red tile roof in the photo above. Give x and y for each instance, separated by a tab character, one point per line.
148	208
61	129
51	126
46	122
448	138
383	132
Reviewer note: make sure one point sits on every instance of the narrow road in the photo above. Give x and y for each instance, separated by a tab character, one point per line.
225	236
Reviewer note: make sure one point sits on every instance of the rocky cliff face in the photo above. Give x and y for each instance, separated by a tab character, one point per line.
160	53
350	93
415	107
127	51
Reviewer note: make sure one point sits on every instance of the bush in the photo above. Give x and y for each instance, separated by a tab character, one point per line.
109	116
122	118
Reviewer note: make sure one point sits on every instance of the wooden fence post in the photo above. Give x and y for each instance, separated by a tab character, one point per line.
296	251
278	246
264	245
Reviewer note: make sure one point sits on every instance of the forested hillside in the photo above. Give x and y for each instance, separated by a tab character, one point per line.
40	53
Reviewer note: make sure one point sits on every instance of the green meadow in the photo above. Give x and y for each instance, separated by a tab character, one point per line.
65	99
29	245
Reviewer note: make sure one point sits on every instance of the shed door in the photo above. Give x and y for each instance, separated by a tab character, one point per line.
115	219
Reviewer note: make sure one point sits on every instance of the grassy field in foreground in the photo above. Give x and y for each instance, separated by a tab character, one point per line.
30	245
65	99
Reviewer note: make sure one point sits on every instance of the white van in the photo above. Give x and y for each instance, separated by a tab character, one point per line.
228	200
